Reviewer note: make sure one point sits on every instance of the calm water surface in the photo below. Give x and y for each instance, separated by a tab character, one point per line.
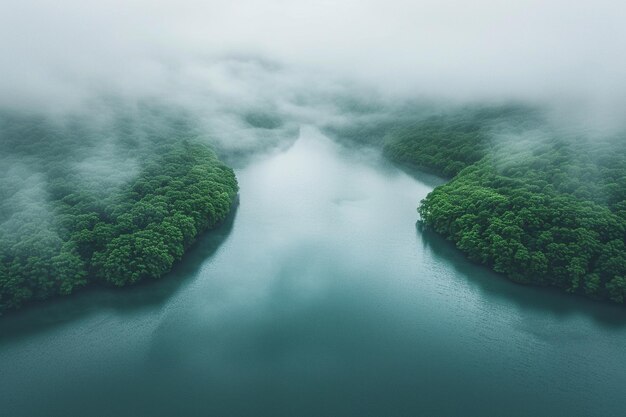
319	297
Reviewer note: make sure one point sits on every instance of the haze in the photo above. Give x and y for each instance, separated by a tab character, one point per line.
57	53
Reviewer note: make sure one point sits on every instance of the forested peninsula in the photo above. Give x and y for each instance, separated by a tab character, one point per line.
538	204
120	198
113	205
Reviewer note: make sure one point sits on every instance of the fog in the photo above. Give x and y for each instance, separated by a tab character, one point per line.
57	52
246	75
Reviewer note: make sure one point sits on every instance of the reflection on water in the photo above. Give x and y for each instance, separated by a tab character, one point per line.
318	298
144	296
550	301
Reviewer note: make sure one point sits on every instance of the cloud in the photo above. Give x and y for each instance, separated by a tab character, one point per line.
59	51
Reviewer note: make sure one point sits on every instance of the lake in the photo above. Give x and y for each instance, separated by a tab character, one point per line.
318	297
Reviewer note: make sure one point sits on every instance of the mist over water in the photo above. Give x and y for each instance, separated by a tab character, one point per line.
245	75
319	297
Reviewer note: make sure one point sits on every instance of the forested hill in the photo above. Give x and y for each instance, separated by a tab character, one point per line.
115	204
534	203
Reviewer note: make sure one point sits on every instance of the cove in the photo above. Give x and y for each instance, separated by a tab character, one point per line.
318	297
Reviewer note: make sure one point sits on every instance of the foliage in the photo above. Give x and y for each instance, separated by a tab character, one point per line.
64	226
542	209
531	201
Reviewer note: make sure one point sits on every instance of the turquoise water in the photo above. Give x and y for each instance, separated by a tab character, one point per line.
318	297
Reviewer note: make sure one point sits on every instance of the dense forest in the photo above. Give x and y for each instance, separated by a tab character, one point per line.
114	200
119	197
534	202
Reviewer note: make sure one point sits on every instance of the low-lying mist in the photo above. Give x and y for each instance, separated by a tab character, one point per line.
87	91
